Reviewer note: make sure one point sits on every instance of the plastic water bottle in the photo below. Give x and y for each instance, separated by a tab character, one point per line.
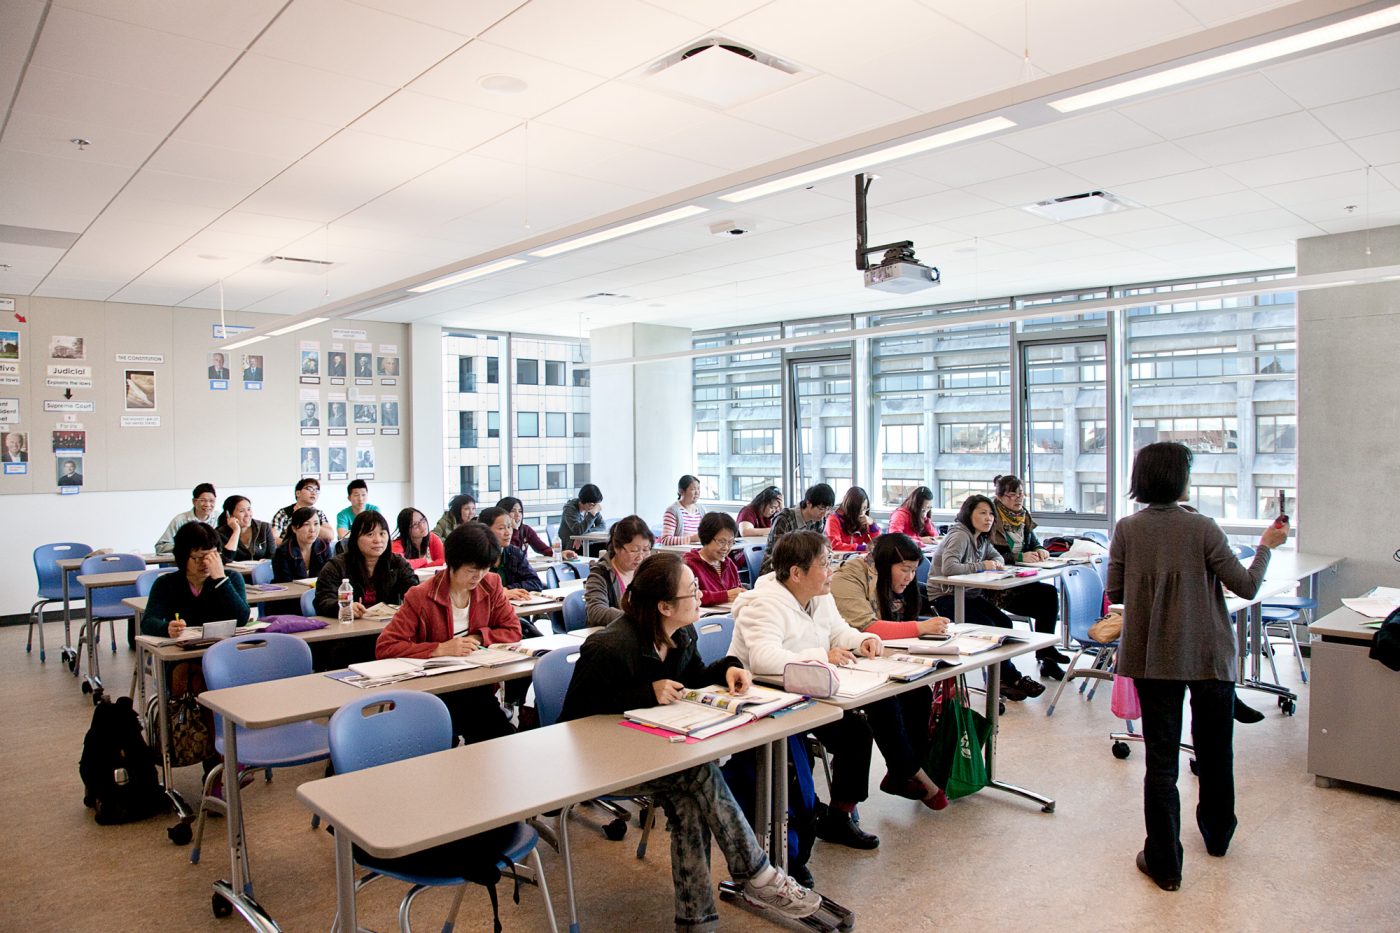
345	596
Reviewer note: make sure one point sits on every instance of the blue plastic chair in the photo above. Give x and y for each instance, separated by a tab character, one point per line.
148	579
575	615
1098	536
262	573
106	603
1083	601
753	557
581	567
713	637
921	580
308	602
1243	551
46	558
252	659
393	726
550	576
565	570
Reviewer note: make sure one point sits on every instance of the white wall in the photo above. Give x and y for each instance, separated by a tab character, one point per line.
422	413
1349	413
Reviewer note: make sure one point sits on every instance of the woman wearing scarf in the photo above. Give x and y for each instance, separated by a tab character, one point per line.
1013	535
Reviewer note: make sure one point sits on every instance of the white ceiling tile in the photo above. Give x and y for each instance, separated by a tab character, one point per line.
15	282
1040	185
129	207
712	12
255	131
1253	140
54	194
970	164
434	121
1365	116
1111	225
62	286
995	223
265	226
465	19
168	186
1145	163
1351	71
1380	149
1214	12
627	113
99	103
188	158
1157	236
1183	187
19	24
822	109
548	84
1329	193
604	37
797	207
1233	226
1047	234
1219	205
51	137
943	205
1293	166
1081	137
1213	105
1288	235
729	142
231	24
288	89
152	293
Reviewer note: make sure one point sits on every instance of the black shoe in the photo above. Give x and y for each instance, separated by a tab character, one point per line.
838	828
802	875
1011	690
1030	688
1049	670
1246	714
1164	885
1051	654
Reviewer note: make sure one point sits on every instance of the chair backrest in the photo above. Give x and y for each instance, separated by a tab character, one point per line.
551	678
581	568
713	637
46	558
575	615
1100	566
107	601
148	579
754	557
551	531
252	659
921	574
262	573
308	602
388	726
550	575
1243	551
566	570
1083	600
1098	536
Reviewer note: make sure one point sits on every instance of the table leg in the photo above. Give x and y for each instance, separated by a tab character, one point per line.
1047	804
568	867
345	883
959	605
238	891
1242	640
777	853
763	798
91	630
67	616
158	670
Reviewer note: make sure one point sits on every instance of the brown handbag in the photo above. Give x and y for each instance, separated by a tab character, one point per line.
191	725
1108	629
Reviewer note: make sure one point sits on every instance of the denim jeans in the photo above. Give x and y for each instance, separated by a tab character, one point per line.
699	805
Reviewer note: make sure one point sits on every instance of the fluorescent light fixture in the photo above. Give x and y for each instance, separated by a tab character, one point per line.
878	157
309	322
247	343
612	233
1230	61
474	273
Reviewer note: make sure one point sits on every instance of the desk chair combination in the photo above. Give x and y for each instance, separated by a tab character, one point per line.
1083	602
262	573
1279	615
713	637
106	605
308	603
46	558
753	561
395	725
575	615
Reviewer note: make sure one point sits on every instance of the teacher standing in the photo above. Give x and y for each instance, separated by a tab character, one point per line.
1168	567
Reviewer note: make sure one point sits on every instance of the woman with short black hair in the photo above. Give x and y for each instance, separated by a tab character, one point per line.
582	515
629	543
711	563
200	590
303	552
461	508
377	574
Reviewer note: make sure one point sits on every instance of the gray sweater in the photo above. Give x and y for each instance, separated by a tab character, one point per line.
960	552
1167	566
602	596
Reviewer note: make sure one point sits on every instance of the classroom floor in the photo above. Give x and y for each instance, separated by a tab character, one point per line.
1303	858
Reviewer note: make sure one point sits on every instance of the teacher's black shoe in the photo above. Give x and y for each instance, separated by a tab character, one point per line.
838	828
1031	688
1049	670
1246	714
1164	885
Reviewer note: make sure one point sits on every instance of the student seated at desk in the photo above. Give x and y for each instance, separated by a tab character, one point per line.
807	515
415	543
377	574
718	577
307	491
967	548
629	543
790	616
1013	535
461	509
645	658
459	610
512	567
522	536
914	516
849	528
680	524
876	594
757	517
204	501
357	491
243	537
200	591
582	515
303	552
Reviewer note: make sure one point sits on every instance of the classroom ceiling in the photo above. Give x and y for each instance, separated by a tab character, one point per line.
384	139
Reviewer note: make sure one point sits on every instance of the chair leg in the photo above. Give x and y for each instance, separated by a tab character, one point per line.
1069	675
1292	636
205	803
1269	648
406	905
648	821
544	887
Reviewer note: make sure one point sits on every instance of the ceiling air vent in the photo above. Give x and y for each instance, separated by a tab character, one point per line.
1078	206
607	298
719	72
299	264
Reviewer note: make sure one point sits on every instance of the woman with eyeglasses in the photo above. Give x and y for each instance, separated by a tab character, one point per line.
419	546
512	566
1013	536
849	528
718	577
629	543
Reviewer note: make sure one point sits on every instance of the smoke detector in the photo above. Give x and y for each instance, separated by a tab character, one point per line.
729	229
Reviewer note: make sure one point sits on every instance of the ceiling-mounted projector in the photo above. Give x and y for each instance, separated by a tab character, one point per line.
898	272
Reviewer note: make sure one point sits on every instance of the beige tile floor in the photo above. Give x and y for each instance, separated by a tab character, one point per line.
1304	858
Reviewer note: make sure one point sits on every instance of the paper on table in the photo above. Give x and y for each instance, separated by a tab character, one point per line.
1372	607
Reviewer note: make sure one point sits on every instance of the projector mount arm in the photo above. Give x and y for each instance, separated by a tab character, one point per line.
904	249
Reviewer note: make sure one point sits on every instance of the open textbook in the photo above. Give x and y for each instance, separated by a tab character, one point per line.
705	711
964	643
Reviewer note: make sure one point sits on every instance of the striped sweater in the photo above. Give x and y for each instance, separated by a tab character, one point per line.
678	523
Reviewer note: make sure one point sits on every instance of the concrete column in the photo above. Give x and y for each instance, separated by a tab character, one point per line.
429	493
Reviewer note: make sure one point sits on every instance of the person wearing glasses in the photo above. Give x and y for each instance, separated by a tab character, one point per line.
1013	536
204	503
849	528
512	566
716	573
807	515
419	546
629	543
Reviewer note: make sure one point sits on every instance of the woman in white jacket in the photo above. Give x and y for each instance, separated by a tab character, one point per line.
790	616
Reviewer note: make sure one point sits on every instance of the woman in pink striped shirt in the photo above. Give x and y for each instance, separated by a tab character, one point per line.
681	523
913	517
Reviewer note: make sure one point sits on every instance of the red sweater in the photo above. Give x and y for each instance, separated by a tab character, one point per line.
901	522
840	541
435	558
425	619
714	585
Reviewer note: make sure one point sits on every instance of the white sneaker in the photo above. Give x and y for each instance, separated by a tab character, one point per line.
772	889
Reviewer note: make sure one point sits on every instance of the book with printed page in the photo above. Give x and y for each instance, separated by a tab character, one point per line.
983	576
705	711
963	643
193	636
1051	563
537	647
899	667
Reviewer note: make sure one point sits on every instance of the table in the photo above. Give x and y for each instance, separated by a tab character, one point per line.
296	699
1287	568
92	683
1354	706
68	565
596	757
961	583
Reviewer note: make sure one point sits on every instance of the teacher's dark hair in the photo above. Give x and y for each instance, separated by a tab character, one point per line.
1161	473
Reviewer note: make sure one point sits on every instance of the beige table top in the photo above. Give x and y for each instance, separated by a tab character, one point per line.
254	597
73	563
1343	625
332	631
588	757
1006	583
97	581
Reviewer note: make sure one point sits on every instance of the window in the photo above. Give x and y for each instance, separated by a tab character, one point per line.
709	486
493	370
582	472
1047	497
1276	358
952	492
706	442
556	424
527	477
1093	497
1047	437
982	438
837	439
556	476
466	480
755	441
581	424
1268	503
466	374
901	439
581	379
1202	435
897	490
1276	434
527	424
493	424
466	429
493	479
527	372
737	393
1216	501
1093	437
553	372
744	488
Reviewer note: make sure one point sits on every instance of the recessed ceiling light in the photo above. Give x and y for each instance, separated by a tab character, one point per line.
502	84
474	273
614	232
216	257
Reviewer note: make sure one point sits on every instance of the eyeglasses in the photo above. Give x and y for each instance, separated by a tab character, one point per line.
725	543
1014	495
420	523
693	594
644	549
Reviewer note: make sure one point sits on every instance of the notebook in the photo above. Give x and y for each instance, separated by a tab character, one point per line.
705	711
961	644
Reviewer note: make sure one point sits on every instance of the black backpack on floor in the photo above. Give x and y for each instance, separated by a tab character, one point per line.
118	768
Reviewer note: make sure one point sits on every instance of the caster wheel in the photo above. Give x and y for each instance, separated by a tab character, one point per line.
1282	702
86	687
97	697
180	834
1121	750
1289	708
222	908
1001	707
1194	767
616	830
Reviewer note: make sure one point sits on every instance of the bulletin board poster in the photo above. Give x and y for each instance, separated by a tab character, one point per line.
218	372
252	372
10	346
140	389
310	365
14	451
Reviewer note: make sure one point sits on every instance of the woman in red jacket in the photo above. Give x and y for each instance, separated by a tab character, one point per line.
715	573
849	528
459	610
914	518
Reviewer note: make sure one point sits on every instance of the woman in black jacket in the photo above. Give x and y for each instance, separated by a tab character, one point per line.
645	659
513	567
377	574
303	552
